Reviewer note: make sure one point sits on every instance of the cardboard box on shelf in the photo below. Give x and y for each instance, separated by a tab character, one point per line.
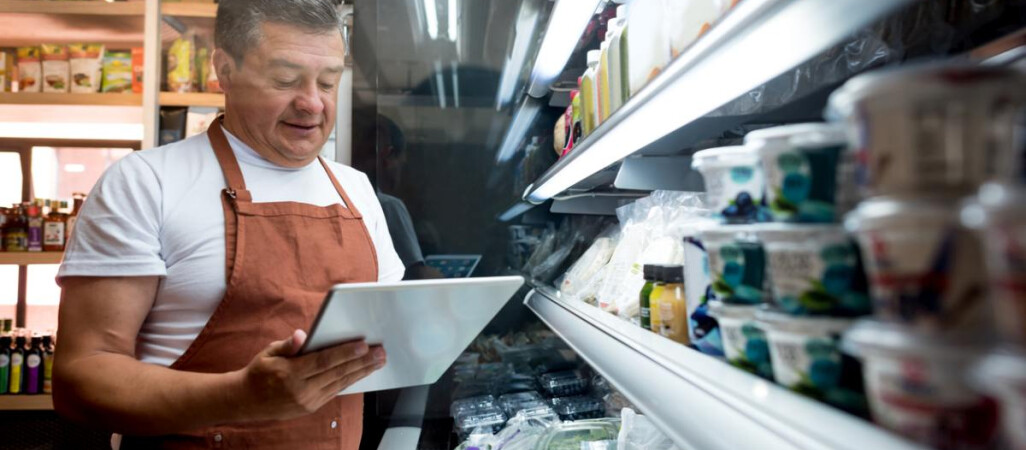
56	68
30	70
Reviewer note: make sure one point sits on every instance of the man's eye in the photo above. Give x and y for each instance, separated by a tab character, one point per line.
284	83
327	86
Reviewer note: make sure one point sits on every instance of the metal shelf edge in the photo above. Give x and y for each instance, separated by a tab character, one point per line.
698	401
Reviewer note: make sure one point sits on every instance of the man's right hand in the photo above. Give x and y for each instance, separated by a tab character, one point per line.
278	385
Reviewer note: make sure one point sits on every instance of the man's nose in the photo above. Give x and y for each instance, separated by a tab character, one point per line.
308	100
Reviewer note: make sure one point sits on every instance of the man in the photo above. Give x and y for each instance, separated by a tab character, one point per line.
392	158
195	266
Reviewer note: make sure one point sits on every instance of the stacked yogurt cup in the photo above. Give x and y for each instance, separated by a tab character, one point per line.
938	169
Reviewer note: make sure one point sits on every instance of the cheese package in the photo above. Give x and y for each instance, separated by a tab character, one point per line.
30	70
117	72
86	67
56	68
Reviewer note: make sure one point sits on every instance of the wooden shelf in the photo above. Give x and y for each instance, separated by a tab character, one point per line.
29	142
192	99
26	402
208	10
30	258
34	98
93	8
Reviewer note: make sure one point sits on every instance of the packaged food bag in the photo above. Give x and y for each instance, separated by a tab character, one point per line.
86	67
181	69
137	70
117	72
30	70
56	68
6	70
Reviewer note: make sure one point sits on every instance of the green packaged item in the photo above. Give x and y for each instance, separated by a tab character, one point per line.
117	72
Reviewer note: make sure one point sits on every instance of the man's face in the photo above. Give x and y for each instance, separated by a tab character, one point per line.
281	101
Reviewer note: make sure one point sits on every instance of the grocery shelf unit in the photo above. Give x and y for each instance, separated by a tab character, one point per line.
696	400
778	34
26	402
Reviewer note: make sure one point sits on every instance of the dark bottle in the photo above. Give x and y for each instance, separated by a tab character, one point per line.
5	364
17	366
15	230
34	367
47	364
646	291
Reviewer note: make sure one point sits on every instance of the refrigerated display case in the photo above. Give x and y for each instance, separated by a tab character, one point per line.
454	121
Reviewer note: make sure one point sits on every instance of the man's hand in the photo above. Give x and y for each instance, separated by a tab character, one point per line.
277	384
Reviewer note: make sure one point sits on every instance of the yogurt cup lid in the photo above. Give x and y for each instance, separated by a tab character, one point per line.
923	80
815	132
719	309
724	156
811	325
875	338
1005	365
996	202
881	212
771	232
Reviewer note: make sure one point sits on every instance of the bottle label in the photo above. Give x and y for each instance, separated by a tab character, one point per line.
53	234
33	361
5	361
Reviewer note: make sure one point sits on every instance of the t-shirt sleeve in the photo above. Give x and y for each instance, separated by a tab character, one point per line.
117	232
400	228
390	267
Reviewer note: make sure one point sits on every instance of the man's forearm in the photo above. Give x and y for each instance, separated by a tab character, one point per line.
123	395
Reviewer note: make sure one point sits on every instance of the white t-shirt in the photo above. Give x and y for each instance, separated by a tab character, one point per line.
158	212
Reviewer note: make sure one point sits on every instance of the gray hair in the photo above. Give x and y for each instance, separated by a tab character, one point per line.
237	27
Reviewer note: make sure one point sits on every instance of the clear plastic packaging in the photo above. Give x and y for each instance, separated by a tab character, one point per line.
490	419
569	436
472	405
561	384
638	433
578	407
512	404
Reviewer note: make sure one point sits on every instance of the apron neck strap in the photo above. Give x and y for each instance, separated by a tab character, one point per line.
338	187
225	156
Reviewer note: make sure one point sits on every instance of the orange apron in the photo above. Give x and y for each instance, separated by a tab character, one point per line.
281	259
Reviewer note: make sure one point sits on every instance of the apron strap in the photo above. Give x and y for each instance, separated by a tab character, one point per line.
225	156
338	187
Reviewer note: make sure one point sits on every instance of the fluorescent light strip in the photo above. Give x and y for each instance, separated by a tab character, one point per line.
440	80
455	83
527	23
567	23
731	60
454	12
522	120
431	17
514	211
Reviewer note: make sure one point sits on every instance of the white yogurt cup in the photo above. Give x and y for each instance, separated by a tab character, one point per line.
809	171
924	268
918	385
737	264
1002	374
734	182
999	216
703	328
807	358
744	343
932	128
814	270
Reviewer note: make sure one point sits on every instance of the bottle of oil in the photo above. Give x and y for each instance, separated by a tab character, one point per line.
643	297
16	233
5	364
47	363
17	366
34	367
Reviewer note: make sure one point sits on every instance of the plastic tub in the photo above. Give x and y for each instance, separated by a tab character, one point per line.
809	171
1002	374
924	269
932	128
918	385
578	407
814	270
999	215
703	329
807	358
733	182
744	343
569	436
490	420
558	384
511	404
737	264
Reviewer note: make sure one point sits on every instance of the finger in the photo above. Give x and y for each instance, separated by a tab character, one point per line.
322	360
342	370
286	347
338	385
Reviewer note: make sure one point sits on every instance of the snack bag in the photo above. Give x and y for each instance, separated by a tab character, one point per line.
117	72
137	70
56	68
30	70
181	65
86	67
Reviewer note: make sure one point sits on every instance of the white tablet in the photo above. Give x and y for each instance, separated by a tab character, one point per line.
423	325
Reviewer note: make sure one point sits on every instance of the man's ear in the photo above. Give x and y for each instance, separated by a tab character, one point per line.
224	66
